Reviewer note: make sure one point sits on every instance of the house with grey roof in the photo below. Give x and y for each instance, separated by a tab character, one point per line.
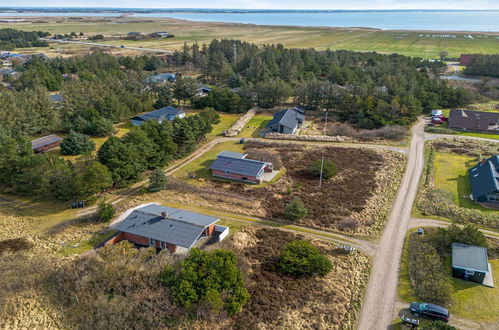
165	227
162	78
235	166
474	121
166	113
286	121
484	179
46	143
471	263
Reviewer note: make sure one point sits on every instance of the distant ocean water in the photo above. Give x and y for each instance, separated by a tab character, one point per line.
387	20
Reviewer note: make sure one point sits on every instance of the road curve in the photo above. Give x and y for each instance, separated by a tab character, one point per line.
419	222
379	301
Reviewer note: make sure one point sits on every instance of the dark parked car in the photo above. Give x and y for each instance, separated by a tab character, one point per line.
430	310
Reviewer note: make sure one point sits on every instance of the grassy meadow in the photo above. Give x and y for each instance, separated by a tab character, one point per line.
412	43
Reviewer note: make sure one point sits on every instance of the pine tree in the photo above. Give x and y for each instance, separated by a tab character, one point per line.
157	180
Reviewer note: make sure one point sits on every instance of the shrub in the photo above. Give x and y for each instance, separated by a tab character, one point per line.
295	210
207	278
328	169
302	258
427	273
157	180
106	211
439	325
211	115
76	144
349	224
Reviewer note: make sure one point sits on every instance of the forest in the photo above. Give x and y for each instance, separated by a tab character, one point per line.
483	65
12	38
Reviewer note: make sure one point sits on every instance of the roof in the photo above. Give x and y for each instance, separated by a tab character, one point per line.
288	118
470	257
58	97
484	177
234	162
43	141
180	227
162	77
160	114
474	120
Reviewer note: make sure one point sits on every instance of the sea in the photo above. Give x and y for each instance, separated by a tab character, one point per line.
441	20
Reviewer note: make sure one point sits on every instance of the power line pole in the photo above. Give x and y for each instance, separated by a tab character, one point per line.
325	124
235	53
322	167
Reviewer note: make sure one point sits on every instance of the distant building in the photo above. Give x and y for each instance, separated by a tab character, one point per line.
286	121
134	34
474	121
235	166
46	143
484	180
161	34
203	90
162	78
8	72
471	263
465	59
166	113
166	228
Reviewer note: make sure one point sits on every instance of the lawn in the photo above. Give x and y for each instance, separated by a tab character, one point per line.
226	121
255	126
451	174
411	43
200	165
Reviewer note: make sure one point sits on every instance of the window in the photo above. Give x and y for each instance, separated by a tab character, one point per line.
152	242
244	178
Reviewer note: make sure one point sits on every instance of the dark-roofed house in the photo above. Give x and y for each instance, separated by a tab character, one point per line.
474	121
235	166
286	121
471	263
46	143
484	180
168	113
164	227
162	34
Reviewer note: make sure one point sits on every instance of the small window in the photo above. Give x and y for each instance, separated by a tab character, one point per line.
152	242
244	178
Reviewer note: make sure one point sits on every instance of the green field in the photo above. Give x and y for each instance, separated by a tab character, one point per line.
410	43
451	174
255	126
226	121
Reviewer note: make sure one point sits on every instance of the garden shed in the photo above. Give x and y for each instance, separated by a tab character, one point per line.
471	263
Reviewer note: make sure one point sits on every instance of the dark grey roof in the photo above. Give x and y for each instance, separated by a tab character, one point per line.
182	228
470	257
288	118
484	177
43	141
164	113
234	162
474	120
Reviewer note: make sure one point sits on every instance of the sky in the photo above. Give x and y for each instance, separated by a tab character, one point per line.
264	4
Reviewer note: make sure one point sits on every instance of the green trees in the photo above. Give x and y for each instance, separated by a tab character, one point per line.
76	144
302	258
328	169
483	65
12	38
210	115
209	279
105	211
295	210
184	89
221	99
157	180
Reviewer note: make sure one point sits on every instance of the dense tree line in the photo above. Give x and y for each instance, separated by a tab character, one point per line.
483	65
367	89
12	38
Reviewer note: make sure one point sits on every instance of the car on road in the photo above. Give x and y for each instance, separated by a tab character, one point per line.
122	46
430	310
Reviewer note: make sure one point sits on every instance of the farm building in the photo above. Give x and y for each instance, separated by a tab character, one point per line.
162	78
46	143
168	113
465	59
161	34
166	228
471	263
286	121
484	180
235	166
474	121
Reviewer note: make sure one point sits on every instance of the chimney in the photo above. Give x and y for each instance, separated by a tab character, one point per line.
164	215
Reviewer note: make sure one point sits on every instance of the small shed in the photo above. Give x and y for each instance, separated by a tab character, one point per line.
470	262
46	143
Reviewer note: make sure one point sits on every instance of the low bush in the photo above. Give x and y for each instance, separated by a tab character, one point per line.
439	325
207	283
426	271
105	211
302	258
211	115
349	224
439	130
295	210
328	169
